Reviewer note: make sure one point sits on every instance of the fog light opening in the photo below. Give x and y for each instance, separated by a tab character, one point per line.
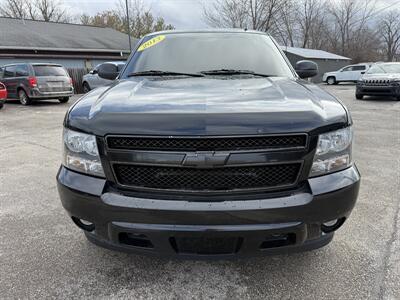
332	225
83	224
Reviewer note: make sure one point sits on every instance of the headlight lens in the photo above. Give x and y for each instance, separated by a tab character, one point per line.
395	82
333	152
81	153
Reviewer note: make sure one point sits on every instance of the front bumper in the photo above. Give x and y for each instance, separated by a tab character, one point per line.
393	91
236	228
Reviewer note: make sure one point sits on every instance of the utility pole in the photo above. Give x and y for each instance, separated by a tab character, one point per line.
128	26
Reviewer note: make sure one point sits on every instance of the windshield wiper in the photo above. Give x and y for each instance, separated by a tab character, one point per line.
233	72
163	73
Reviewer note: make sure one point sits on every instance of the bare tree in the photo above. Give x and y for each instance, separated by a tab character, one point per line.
46	10
227	13
389	29
349	19
13	9
264	13
286	26
251	14
310	17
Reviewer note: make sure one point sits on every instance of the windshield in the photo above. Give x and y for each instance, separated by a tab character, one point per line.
200	52
49	71
384	69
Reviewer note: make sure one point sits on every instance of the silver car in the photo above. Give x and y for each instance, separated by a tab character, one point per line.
92	80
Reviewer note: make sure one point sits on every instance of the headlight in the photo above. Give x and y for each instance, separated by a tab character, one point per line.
333	152
81	153
395	82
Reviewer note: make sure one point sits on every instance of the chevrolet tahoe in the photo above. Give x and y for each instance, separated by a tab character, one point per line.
208	144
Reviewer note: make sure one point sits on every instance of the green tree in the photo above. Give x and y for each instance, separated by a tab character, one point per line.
141	20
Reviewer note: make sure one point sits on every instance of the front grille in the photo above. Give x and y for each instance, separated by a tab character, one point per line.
207	143
217	179
380	82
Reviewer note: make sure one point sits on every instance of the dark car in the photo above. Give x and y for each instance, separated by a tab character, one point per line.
3	95
382	79
208	145
29	82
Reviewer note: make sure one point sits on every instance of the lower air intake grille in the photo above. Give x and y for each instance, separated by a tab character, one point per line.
218	179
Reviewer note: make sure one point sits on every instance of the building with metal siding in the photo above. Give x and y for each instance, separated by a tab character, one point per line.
327	62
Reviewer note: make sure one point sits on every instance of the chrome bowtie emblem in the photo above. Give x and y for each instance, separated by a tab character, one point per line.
205	159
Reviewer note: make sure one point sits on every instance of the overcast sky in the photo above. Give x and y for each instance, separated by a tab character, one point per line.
183	14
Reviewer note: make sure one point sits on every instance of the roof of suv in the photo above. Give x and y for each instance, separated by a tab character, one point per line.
387	63
212	30
33	64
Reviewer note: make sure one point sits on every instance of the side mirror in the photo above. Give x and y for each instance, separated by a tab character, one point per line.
363	72
306	69
108	71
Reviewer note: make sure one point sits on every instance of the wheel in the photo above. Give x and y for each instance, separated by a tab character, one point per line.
359	96
64	100
23	98
331	81
1	105
86	88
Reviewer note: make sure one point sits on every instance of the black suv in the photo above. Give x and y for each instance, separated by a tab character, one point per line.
28	82
382	79
208	144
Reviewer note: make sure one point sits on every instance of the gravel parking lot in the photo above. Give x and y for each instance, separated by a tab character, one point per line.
42	254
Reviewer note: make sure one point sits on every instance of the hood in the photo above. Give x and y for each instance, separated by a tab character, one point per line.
206	106
390	77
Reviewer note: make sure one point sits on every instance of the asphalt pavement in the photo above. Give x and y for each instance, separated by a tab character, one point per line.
43	255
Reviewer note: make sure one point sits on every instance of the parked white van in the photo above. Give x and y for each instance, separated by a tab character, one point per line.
351	73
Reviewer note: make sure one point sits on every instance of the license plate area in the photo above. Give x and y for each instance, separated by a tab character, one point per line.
56	85
206	245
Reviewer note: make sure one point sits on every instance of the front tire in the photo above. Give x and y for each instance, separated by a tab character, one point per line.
1	105
23	98
64	100
359	96
331	81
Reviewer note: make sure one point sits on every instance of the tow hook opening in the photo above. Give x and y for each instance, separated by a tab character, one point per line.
83	224
278	240
135	239
332	225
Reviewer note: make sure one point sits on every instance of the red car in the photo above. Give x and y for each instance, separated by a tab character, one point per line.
3	94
